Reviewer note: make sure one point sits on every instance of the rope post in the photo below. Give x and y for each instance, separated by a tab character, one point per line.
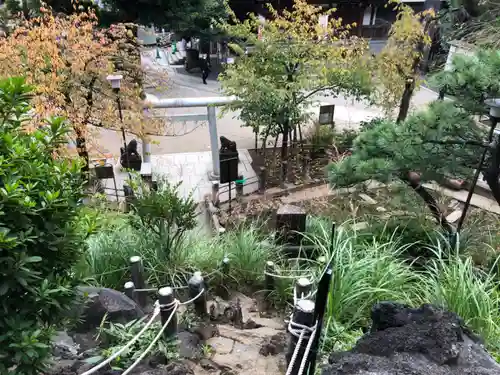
215	193
303	314
168	307
269	278
239	188
196	284
225	277
225	267
137	272
262	180
129	197
303	288
129	288
319	313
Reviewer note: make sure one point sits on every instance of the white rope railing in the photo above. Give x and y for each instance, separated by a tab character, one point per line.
128	345
156	311
306	352
303	332
153	343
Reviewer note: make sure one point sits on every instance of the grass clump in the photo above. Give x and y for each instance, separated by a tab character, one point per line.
453	282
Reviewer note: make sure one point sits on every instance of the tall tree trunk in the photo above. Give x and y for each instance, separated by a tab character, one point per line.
492	174
81	148
413	180
256	131
404	105
284	144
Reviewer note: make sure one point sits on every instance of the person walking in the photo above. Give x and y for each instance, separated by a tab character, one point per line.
205	69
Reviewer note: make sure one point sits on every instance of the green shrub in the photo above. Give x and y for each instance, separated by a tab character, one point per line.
452	281
364	273
344	139
320	137
164	214
39	242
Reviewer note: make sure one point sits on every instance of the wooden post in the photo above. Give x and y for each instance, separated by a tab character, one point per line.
196	284
167	308
319	312
269	278
303	314
225	278
129	197
129	288
137	272
262	180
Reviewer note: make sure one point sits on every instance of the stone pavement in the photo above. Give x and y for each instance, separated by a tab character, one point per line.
192	170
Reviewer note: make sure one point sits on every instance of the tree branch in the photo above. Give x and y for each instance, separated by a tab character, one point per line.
458	142
413	181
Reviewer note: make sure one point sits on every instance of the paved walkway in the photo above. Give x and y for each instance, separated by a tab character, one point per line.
192	170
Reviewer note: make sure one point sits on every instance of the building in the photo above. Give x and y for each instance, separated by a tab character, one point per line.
373	18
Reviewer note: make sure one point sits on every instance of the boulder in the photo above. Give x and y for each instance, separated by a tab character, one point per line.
408	341
101	301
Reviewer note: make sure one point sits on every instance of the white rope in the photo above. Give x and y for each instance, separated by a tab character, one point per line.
194	298
295	352
157	337
306	352
176	303
303	332
128	345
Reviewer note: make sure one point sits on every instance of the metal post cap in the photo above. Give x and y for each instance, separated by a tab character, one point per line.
135	259
304	282
305	305
196	279
165	291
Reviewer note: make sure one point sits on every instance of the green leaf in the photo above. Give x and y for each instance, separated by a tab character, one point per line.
33	259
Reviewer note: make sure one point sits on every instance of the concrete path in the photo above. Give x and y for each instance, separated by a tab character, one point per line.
192	170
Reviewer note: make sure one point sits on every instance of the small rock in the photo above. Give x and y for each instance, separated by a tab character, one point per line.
100	302
251	324
454	216
274	345
221	345
367	198
173	368
189	345
208	364
206	331
381	209
64	347
453	184
360	226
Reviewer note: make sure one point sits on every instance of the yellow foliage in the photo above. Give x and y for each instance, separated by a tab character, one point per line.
67	60
397	63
